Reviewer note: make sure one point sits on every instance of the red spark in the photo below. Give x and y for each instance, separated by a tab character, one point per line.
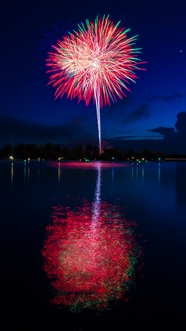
91	262
97	62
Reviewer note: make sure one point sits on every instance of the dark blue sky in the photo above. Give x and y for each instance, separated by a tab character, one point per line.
153	115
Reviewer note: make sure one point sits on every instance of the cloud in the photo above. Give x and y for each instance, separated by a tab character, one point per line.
166	98
26	132
177	95
180	126
181	122
164	131
171	140
137	114
124	137
77	120
120	103
174	138
133	137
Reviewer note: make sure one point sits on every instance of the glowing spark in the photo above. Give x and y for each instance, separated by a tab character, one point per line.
95	62
90	266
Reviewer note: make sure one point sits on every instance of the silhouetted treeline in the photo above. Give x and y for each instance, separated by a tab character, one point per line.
51	151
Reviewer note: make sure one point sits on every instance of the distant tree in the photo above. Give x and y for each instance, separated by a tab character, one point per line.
95	153
6	151
79	151
32	151
113	154
144	152
66	152
48	153
57	151
130	153
148	155
88	150
20	151
159	154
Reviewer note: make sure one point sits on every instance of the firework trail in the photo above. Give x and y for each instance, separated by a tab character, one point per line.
97	62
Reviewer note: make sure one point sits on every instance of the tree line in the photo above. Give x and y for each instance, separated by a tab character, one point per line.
51	151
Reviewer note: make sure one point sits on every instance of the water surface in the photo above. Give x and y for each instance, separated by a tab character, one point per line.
151	198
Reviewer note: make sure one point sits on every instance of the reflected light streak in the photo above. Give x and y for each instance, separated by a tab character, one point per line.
38	174
142	175
24	173
58	172
90	254
88	267
137	171
112	175
89	165
12	174
159	171
96	204
132	175
28	172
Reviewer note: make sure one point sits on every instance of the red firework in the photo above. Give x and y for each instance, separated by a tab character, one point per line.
99	57
95	62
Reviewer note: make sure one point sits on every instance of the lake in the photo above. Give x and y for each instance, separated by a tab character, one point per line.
93	246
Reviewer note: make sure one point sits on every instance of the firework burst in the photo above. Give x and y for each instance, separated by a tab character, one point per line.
97	62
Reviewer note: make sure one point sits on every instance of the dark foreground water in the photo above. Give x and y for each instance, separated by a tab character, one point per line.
93	246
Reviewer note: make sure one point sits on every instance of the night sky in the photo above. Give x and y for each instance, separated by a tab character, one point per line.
153	115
